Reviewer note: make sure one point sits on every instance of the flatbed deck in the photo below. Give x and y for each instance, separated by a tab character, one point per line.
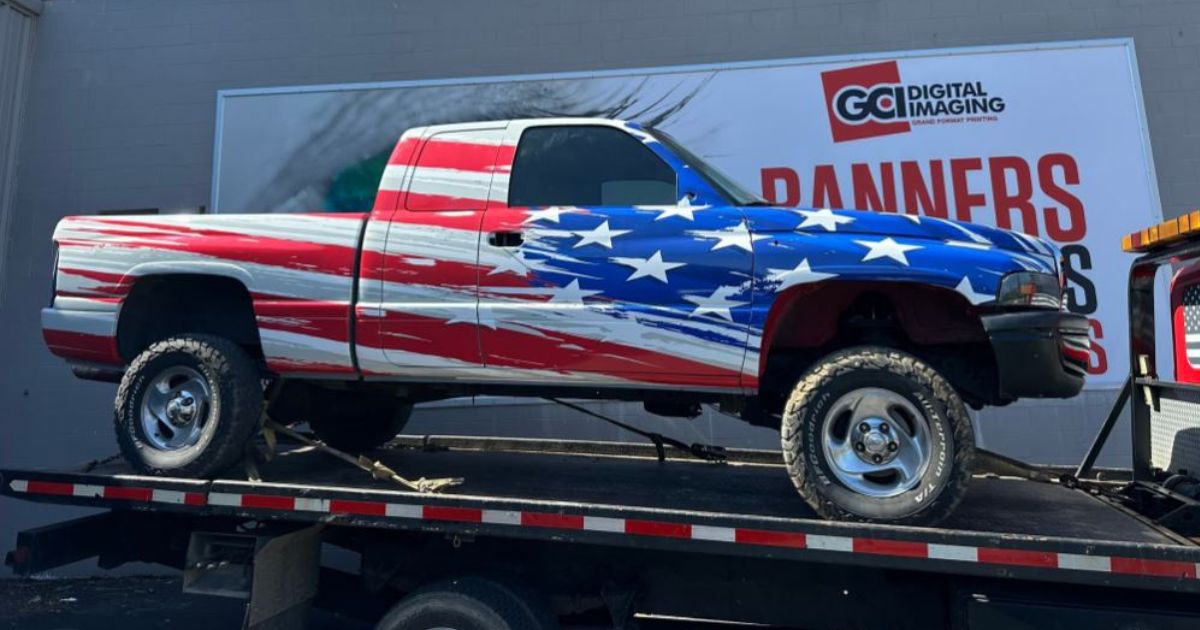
620	495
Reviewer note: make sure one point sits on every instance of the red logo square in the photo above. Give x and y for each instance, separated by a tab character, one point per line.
860	100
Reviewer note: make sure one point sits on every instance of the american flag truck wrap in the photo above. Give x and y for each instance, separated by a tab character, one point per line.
583	257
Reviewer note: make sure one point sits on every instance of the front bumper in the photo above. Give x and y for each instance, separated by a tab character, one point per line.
1039	354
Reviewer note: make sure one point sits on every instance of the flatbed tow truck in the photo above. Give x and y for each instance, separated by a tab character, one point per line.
587	534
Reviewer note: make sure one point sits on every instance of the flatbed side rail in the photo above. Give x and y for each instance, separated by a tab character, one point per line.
1137	565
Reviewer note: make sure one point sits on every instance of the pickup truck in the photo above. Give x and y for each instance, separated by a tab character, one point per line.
577	257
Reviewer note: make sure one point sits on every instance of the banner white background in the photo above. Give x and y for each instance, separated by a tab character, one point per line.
1069	148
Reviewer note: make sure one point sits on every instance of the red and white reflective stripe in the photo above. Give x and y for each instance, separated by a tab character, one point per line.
115	493
1029	558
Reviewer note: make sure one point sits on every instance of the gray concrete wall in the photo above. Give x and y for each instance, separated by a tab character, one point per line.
121	114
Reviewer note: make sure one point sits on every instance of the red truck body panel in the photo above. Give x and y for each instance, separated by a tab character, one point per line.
298	269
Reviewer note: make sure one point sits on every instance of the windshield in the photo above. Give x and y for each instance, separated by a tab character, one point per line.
723	184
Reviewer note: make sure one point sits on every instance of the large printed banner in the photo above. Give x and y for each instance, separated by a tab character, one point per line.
1047	139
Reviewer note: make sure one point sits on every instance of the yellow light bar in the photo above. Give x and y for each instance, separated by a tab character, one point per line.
1166	232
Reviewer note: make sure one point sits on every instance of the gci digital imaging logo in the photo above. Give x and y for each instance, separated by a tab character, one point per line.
871	100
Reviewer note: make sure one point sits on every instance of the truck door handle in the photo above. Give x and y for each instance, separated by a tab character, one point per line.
505	239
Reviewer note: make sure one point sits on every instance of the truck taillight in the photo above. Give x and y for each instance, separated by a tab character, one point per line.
54	276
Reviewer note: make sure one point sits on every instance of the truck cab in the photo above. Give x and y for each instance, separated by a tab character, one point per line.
561	250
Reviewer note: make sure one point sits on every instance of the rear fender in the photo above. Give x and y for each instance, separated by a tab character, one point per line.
205	268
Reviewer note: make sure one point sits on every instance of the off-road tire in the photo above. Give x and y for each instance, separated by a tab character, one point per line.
354	421
470	603
233	378
953	439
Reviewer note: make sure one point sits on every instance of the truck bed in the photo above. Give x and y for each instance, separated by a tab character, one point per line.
620	495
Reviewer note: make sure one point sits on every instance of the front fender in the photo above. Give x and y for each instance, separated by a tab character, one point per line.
789	265
786	260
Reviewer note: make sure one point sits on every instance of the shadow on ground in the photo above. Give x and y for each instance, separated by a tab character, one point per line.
128	603
137	603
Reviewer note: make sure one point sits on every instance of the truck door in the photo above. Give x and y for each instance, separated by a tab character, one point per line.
430	275
590	267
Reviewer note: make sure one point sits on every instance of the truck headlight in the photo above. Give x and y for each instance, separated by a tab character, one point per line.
1028	288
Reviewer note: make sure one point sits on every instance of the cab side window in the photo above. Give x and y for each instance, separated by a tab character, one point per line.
587	166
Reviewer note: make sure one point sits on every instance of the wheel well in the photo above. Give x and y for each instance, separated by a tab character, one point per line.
935	324
163	306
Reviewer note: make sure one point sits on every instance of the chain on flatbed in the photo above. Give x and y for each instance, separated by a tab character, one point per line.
377	469
706	452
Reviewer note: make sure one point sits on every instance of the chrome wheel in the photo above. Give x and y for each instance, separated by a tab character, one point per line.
876	441
175	409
